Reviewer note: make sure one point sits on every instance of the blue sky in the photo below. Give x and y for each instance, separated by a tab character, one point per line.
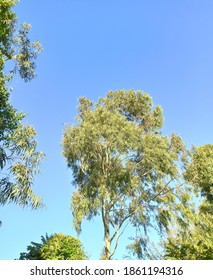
164	48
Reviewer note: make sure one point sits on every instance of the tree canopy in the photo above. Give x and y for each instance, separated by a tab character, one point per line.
19	159
55	247
63	247
124	169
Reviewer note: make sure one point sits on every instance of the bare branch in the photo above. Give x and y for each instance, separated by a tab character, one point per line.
117	239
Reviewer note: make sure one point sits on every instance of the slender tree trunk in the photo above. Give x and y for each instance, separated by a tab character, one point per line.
107	239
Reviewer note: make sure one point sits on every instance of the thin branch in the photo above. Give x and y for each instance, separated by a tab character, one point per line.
102	213
117	239
138	207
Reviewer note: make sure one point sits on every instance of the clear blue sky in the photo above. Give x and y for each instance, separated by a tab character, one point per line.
164	48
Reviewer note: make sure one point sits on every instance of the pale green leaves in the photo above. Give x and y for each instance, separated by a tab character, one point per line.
25	53
20	152
200	170
83	208
136	106
15	44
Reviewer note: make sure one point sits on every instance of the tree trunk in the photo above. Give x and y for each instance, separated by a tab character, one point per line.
107	247
107	243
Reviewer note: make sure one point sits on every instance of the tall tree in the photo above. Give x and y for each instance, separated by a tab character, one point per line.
124	169
19	160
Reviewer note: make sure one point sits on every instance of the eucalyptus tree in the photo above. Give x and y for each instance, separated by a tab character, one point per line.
124	169
19	160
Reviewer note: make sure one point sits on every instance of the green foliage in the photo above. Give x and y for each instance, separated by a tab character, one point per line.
34	249
24	161
201	170
55	247
191	236
62	247
194	242
143	247
15	45
123	168
19	160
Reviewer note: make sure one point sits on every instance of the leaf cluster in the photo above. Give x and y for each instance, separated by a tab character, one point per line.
200	170
15	45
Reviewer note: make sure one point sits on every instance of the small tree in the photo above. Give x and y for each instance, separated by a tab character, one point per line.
123	168
34	249
62	247
55	247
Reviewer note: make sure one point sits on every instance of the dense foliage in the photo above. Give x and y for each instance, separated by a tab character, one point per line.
55	247
34	249
63	247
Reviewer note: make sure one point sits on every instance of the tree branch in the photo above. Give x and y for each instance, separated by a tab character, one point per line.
117	239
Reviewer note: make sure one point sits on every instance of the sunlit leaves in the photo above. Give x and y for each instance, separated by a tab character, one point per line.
63	247
55	247
200	171
26	53
24	161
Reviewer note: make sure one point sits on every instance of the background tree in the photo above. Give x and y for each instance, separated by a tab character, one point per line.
191	238
63	247
34	249
123	168
194	241
55	247
19	160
